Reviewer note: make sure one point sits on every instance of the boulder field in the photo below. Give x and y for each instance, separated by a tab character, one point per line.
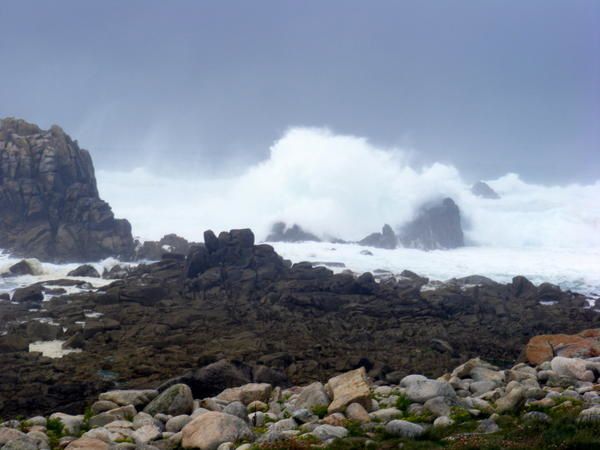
476	405
276	322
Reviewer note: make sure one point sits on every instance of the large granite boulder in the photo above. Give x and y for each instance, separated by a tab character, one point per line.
280	232
49	203
386	239
435	227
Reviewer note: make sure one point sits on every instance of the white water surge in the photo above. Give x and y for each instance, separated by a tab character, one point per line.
343	186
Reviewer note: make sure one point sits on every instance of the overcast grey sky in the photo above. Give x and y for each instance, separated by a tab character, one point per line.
490	86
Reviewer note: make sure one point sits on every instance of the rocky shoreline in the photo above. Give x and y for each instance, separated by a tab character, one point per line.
555	404
281	323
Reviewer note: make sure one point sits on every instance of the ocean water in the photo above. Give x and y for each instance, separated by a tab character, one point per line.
49	271
574	269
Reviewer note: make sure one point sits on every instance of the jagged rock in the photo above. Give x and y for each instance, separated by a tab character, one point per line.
212	429
386	239
49	202
482	189
281	233
175	400
86	270
349	387
435	227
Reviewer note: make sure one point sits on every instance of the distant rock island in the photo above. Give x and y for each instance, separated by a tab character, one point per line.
482	189
49	203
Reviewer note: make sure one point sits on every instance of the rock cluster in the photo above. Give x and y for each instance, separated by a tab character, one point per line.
276	322
49	203
474	402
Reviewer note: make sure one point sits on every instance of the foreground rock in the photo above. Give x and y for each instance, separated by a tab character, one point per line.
476	405
435	227
49	203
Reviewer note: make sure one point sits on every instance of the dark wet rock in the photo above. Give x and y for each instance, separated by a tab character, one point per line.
168	244
435	227
281	233
32	294
116	272
85	270
386	239
49	203
12	343
41	331
482	189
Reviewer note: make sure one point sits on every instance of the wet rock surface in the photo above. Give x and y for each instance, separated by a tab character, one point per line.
233	312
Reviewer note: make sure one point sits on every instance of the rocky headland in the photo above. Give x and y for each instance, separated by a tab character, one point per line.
49	203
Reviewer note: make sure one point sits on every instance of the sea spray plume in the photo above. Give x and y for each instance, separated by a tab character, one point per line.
344	186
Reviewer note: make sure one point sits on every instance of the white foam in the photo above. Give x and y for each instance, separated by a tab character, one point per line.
52	349
344	186
578	270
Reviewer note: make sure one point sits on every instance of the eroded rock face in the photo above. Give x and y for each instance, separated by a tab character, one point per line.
49	203
435	227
